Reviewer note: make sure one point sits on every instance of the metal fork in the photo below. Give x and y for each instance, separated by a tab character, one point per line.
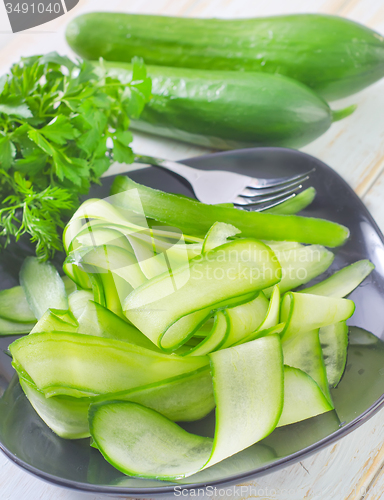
221	186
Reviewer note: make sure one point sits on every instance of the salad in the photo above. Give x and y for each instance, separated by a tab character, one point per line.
170	309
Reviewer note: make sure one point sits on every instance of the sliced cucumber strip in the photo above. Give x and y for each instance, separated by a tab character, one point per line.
14	306
249	397
56	321
77	275
139	441
244	265
70	285
300	264
94	235
12	328
269	331
66	416
98	321
334	342
342	282
43	287
123	289
271	319
218	234
155	257
151	264
187	326
112	299
273	313
283	246
304	312
303	351
248	394
245	319
303	398
205	329
215	338
95	209
78	300
184	398
108	258
295	205
78	365
97	287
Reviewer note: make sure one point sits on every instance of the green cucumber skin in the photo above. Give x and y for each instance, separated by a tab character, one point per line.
334	56
229	109
196	218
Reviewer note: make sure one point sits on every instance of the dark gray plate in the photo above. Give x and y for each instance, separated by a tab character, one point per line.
28	442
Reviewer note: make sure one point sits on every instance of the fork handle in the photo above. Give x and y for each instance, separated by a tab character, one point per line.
189	173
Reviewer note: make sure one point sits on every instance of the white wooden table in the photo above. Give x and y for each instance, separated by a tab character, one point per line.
352	468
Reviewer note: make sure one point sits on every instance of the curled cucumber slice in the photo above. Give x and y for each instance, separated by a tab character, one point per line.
54	320
8	328
218	234
186	397
303	398
99	321
183	398
303	351
303	312
245	319
243	266
270	324
66	416
14	306
43	287
140	441
334	342
214	339
78	300
107	258
342	282
82	365
299	263
294	205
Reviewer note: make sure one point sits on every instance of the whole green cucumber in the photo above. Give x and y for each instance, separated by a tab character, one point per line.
334	56
229	109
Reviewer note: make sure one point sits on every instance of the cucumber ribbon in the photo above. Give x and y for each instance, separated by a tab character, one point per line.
198	218
165	326
150	445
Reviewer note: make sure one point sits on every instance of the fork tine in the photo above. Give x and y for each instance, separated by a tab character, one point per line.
244	202
281	181
252	193
277	203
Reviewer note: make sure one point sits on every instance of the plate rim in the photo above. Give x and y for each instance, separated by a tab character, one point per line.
263	470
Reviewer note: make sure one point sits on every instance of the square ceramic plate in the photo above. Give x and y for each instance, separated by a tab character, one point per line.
28	442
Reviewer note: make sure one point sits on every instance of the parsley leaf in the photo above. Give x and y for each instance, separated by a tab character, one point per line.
7	152
60	130
57	117
14	106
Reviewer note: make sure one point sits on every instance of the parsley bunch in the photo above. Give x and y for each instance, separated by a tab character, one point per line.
62	124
